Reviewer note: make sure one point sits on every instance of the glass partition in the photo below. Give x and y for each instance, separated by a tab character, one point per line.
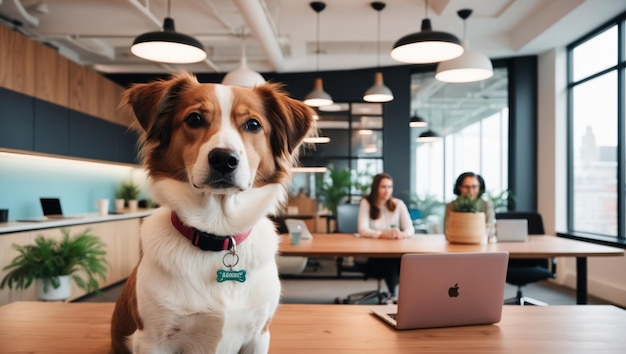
356	147
470	121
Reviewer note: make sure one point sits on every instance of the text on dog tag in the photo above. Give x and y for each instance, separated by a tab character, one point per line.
237	275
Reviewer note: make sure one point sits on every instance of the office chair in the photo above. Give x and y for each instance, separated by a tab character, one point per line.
416	217
525	271
347	222
415	214
347	219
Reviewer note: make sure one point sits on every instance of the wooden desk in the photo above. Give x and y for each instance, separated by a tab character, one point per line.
64	328
330	245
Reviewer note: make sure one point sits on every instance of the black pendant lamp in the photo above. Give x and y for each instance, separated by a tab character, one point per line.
417	122
378	92
426	46
428	136
168	46
318	97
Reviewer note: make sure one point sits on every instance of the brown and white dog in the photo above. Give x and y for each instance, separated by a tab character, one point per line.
217	159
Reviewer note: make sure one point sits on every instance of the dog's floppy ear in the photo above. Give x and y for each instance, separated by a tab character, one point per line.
144	100
302	123
292	120
147	100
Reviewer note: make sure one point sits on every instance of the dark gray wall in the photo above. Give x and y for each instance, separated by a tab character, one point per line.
349	86
523	133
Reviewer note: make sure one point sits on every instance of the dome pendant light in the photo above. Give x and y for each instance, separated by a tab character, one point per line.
243	76
379	92
318	97
168	46
428	136
417	122
471	66
427	46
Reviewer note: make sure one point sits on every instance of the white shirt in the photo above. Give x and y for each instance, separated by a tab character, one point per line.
399	218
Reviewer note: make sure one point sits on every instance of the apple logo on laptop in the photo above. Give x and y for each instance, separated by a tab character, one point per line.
454	291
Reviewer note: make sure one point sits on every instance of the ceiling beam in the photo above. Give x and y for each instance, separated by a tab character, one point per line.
256	18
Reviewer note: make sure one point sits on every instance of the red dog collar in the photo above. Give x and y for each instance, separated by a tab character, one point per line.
206	241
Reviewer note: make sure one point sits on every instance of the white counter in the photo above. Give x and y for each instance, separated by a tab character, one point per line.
18	226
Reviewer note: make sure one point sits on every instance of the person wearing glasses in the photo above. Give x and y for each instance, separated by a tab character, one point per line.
473	186
383	216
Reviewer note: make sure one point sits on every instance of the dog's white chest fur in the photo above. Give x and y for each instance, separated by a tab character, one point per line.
183	304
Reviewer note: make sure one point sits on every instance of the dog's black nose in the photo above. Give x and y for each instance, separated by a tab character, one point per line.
223	160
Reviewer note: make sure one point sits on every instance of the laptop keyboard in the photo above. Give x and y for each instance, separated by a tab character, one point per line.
393	315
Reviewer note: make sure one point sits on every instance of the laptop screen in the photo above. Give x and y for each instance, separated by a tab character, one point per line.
51	206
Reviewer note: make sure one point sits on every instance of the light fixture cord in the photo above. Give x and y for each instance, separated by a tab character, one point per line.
169	7
426	8
243	42
464	29
378	41
317	43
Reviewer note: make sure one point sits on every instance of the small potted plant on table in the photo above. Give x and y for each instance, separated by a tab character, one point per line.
129	191
52	264
466	224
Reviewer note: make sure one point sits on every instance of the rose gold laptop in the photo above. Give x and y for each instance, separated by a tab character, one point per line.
450	289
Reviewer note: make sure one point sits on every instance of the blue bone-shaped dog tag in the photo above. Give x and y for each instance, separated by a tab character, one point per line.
237	275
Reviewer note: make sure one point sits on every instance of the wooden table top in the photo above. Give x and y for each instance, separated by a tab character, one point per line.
327	245
65	328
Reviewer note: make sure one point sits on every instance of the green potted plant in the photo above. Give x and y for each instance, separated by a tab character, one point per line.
52	263
428	205
502	201
335	188
129	191
466	224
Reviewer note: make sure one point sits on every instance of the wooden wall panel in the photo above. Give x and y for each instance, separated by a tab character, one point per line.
83	89
108	99
17	62
5	56
51	76
124	115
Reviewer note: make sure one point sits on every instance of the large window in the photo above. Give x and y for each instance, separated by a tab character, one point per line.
471	121
596	132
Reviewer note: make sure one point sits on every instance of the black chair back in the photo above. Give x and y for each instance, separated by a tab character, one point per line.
525	271
348	218
535	222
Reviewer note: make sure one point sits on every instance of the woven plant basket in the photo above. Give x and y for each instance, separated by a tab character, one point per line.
469	228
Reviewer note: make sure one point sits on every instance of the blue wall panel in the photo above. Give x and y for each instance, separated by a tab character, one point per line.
24	179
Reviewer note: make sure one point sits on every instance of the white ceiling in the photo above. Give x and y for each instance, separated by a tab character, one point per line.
98	33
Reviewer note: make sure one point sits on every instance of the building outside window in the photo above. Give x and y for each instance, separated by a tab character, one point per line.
596	132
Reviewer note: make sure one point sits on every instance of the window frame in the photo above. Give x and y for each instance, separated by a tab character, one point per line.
620	69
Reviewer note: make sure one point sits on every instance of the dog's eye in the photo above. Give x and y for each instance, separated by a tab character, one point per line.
194	120
252	125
